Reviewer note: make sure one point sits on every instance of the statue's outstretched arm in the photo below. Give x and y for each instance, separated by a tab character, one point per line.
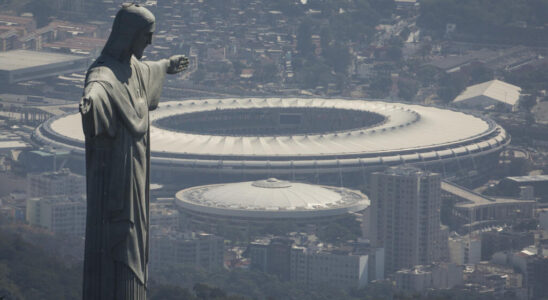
154	75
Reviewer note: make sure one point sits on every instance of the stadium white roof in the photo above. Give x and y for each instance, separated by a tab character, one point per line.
494	89
409	134
23	59
271	198
407	127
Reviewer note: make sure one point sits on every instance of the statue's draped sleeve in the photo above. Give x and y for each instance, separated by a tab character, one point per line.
154	74
98	114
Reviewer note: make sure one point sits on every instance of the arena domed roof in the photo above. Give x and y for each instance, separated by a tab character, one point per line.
271	198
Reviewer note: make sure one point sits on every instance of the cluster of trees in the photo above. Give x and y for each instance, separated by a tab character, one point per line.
28	272
200	291
319	70
231	70
497	21
381	83
530	78
453	294
379	86
342	230
338	24
180	283
252	284
42	10
452	84
351	19
448	85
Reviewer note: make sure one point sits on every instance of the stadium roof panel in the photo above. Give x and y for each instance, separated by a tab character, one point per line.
410	134
407	127
23	59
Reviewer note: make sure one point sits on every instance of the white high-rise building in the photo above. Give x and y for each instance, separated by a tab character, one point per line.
421	278
55	183
58	214
164	214
464	249
405	216
315	265
543	219
171	247
340	269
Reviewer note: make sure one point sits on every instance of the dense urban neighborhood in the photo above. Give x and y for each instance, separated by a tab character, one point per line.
314	149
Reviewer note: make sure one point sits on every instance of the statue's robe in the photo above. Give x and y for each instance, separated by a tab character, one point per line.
115	108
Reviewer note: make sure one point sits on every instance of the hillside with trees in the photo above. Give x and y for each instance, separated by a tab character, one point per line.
488	21
28	272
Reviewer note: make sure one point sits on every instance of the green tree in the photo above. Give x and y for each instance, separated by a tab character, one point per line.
394	50
451	85
530	78
238	67
527	102
380	86
169	292
478	73
427	75
266	73
425	49
487	20
326	37
341	230
408	88
199	75
42	10
304	38
206	292
313	73
404	34
27	272
338	57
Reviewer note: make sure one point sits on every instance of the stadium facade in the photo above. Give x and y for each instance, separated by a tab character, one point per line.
328	141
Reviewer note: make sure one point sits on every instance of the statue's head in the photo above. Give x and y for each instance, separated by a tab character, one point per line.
131	32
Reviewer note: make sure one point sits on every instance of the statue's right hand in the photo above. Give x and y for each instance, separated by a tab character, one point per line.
177	63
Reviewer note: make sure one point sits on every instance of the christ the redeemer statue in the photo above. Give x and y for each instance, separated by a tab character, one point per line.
119	92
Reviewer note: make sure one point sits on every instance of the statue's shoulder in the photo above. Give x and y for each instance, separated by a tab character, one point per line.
103	69
99	80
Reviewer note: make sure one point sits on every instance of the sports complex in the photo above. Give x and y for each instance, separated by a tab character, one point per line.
328	141
256	204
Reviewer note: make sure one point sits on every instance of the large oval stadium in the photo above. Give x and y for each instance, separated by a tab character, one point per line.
331	141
